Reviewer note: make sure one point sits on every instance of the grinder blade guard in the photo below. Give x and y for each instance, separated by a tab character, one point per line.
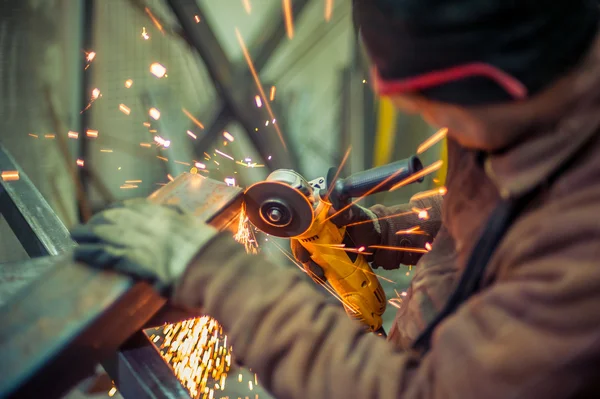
282	205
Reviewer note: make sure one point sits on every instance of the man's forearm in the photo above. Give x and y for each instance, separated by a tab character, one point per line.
394	223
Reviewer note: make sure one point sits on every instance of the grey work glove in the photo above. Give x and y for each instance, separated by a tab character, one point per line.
150	242
362	230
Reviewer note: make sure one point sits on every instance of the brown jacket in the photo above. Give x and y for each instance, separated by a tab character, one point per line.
533	331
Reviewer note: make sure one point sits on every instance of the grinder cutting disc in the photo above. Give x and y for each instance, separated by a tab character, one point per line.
278	209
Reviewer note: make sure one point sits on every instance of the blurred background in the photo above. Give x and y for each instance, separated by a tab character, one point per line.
110	99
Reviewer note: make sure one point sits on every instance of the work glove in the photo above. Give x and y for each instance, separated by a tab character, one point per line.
149	242
362	229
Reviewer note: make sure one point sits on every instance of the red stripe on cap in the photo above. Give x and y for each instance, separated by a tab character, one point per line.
437	78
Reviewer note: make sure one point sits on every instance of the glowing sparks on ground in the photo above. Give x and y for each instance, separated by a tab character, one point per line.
416	176
429	193
197	352
124	109
196	121
192	135
223	154
289	18
430	142
200	165
328	10
154	113
10	175
145	34
247	6
73	135
245	236
162	142
155	21
405	249
228	136
258	101
158	70
259	84
272	94
91	133
80	162
128	83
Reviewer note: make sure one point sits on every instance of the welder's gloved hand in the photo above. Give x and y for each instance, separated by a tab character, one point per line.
362	226
149	242
310	267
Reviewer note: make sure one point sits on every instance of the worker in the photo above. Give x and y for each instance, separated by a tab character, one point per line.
507	303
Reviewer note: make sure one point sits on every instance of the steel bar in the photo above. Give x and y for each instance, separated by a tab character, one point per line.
58	327
28	214
222	72
16	275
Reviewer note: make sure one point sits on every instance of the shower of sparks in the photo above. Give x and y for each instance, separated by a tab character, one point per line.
154	113
200	165
10	175
328	10
158	70
412	231
429	193
128	83
197	352
73	135
162	142
245	235
80	162
259	84
192	135
224	155
416	176
155	21
196	121
247	6
145	34
430	142
337	173
228	136
258	101
91	133
289	18
124	109
405	249
272	94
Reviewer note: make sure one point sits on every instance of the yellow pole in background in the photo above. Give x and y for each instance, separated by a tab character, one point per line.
385	137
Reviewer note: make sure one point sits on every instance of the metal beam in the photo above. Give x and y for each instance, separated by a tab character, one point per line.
203	38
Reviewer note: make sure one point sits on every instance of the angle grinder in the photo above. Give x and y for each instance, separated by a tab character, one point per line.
287	205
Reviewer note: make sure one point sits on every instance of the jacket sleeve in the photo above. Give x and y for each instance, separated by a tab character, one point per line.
403	217
533	333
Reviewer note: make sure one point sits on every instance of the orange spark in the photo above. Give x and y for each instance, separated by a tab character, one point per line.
126	186
428	246
147	124
228	136
90	56
183	163
10	175
49	136
200	165
258	101
422	213
328	9
145	34
91	133
158	70
427	144
381	218
413	230
196	121
145	145
259	85
33	135
429	193
73	135
95	93
155	21
223	154
272	94
128	83
80	162
162	158
170	177
192	135
337	173
154	113
133	181
247	6
289	22
106	150
124	109
197	19
406	249
424	172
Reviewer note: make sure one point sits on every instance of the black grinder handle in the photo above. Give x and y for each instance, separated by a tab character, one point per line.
374	180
